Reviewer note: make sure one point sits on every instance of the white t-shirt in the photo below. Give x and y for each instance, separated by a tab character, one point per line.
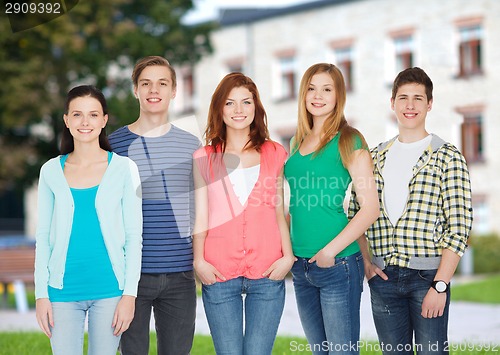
397	173
243	181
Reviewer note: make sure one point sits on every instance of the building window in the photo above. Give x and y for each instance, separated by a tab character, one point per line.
472	138
343	60
470	50
403	50
481	214
285	135
235	69
186	89
286	85
235	65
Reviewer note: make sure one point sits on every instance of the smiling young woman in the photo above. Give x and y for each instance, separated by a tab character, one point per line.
89	234
241	240
328	275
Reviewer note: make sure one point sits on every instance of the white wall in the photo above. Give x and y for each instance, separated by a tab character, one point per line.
368	24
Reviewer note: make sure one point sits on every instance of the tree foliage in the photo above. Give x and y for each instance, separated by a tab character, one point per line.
39	65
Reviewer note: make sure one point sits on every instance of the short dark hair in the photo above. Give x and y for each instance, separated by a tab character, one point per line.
67	143
151	61
413	75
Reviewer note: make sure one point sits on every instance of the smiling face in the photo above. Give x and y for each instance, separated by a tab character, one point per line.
320	97
155	89
239	109
411	105
85	119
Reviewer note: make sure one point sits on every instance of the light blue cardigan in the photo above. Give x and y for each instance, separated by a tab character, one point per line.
119	209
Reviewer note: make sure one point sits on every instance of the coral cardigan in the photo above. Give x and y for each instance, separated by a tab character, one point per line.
242	240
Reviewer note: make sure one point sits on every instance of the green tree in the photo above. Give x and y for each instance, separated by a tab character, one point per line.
39	65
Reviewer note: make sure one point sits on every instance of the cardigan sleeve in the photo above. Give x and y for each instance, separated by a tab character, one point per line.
42	250
132	219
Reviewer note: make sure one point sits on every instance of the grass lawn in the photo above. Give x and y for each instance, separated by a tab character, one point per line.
483	291
36	343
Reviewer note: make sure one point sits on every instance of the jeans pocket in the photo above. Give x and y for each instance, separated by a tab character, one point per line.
427	275
275	280
373	278
337	264
188	275
209	285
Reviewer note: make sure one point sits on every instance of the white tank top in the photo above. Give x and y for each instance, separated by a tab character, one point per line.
397	173
243	181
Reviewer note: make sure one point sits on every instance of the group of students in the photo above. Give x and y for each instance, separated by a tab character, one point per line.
125	222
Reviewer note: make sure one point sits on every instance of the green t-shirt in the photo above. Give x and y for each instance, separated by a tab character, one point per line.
317	190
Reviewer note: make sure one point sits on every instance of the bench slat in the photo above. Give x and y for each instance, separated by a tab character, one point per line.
17	264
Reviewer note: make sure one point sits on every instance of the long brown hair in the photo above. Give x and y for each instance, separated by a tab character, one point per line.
216	134
67	142
335	123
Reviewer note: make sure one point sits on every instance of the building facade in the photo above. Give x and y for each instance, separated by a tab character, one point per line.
457	42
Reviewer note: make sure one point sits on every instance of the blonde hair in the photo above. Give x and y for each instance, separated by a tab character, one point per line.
335	123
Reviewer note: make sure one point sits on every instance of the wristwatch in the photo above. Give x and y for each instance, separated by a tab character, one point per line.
440	286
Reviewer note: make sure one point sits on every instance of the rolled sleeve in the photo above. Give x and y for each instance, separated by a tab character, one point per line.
457	205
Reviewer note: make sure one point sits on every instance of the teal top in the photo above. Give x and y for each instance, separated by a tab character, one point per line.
318	187
119	210
88	272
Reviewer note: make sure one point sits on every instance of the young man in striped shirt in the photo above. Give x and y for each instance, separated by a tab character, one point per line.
163	154
425	220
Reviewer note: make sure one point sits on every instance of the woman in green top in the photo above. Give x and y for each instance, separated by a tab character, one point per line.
327	154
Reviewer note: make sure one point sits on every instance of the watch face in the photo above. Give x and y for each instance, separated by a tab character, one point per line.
440	286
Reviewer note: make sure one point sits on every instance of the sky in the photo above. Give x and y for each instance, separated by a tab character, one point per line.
208	9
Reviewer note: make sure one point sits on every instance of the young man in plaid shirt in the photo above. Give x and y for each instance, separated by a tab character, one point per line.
423	227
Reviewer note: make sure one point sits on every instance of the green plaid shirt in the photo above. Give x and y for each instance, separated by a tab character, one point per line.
437	215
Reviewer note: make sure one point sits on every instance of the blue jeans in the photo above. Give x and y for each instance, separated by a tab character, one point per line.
172	297
328	300
69	327
264	303
397	308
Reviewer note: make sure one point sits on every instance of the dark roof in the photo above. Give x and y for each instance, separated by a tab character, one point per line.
236	16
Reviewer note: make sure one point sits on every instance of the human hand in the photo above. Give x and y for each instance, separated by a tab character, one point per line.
44	315
323	259
433	304
207	273
371	270
124	314
279	269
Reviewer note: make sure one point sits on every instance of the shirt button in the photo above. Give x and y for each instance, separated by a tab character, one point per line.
244	251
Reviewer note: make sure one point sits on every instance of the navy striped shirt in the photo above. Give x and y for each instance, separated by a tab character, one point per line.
166	169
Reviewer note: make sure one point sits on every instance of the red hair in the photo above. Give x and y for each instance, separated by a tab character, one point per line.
215	134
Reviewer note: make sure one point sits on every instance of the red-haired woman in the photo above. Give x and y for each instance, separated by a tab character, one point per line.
241	239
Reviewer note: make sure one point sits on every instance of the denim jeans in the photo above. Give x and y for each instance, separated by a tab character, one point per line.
69	327
397	308
172	297
264	303
328	300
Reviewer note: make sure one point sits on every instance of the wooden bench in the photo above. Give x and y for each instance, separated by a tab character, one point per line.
17	265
